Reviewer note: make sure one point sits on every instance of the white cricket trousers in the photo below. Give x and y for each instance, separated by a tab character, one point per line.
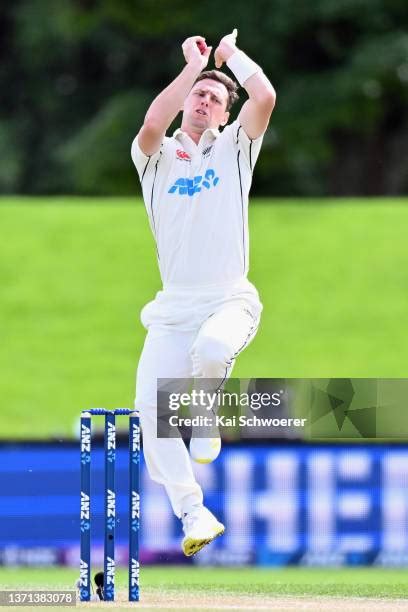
192	333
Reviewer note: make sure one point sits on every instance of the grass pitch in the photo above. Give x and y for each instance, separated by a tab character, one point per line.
240	588
75	273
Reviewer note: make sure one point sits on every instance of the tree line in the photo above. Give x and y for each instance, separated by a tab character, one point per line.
77	76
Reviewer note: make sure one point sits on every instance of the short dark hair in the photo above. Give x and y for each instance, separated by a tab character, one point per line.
230	85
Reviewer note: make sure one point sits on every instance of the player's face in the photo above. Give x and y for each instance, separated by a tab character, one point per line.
205	105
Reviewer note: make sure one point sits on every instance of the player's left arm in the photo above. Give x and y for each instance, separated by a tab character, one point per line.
256	112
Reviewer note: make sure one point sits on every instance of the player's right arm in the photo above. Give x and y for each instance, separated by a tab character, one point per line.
166	106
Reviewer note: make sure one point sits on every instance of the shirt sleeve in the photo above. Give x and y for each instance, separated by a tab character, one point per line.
249	148
144	163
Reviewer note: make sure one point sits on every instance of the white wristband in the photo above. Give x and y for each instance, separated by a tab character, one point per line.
242	66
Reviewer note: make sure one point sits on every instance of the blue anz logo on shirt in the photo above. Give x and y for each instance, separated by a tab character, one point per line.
185	186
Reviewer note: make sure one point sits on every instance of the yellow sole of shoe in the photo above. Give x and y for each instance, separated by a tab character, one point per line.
191	546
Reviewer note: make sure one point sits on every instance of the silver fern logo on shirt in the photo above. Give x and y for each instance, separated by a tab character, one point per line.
186	186
206	152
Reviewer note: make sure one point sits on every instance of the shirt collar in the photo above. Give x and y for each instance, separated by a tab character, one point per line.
209	134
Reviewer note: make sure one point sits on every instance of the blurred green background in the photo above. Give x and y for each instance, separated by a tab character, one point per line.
75	273
77	260
76	77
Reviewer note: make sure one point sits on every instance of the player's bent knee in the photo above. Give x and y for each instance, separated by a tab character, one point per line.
210	357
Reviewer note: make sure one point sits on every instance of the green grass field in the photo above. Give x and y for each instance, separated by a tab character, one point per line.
215	587
75	273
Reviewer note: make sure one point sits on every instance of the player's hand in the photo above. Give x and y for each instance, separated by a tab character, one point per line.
196	50
226	48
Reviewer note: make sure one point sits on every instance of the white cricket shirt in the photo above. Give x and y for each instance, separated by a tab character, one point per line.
196	197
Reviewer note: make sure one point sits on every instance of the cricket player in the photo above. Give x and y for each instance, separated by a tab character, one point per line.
195	186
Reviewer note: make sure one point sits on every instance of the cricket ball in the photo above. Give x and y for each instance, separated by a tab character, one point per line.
201	46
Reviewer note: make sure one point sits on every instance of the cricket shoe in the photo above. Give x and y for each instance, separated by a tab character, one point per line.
205	450
200	527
